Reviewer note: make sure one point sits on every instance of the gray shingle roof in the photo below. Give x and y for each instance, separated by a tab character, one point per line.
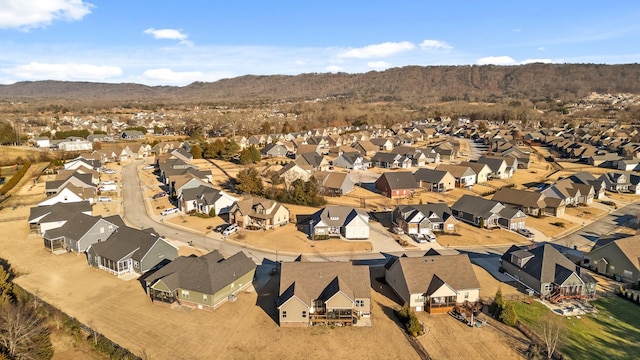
455	270
207	274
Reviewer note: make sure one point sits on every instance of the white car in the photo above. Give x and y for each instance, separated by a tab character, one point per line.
169	211
104	198
148	167
230	229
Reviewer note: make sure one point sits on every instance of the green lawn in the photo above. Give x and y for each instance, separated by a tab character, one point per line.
612	333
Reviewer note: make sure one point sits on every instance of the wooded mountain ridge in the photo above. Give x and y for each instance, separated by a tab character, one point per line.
411	84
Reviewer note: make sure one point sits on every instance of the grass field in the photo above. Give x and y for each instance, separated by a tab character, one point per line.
612	333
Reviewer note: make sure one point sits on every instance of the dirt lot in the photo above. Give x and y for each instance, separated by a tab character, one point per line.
486	342
122	312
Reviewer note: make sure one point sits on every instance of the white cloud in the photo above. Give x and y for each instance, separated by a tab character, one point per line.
171	34
378	50
334	69
435	45
378	64
26	14
174	77
541	48
496	60
67	71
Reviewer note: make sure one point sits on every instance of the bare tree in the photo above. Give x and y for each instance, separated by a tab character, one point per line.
24	334
551	329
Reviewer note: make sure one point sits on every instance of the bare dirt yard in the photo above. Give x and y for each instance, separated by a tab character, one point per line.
242	329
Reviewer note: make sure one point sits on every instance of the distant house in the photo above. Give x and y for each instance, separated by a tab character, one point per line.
501	167
530	202
424	219
334	183
397	184
588	179
548	273
292	172
434	284
47	217
131	251
312	161
258	213
205	282
464	175
351	160
616	181
132	135
571	193
435	180
365	147
65	195
100	138
273	150
488	213
80	231
42	141
205	199
482	170
324	293
337	221
386	160
619	258
383	144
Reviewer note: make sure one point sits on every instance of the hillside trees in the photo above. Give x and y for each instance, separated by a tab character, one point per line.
7	133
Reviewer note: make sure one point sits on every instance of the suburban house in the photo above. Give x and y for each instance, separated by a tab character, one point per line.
205	282
482	170
572	193
424	219
324	293
417	157
588	179
80	231
617	258
84	181
434	284
365	147
435	180
616	181
397	184
351	161
312	161
548	273
386	160
337	221
488	213
501	167
47	217
383	144
532	203
131	251
132	135
204	199
66	195
464	175
334	183
274	150
81	162
292	172
256	212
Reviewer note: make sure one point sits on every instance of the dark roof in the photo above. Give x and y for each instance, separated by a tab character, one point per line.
399	180
75	228
477	206
429	175
207	274
58	211
422	273
126	242
544	264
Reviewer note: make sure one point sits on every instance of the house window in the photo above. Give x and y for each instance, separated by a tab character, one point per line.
304	314
110	228
449	226
359	303
205	298
466	295
284	314
101	229
185	294
136	264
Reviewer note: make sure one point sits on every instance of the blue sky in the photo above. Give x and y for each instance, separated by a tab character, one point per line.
161	42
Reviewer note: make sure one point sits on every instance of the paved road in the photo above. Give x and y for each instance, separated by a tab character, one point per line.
136	215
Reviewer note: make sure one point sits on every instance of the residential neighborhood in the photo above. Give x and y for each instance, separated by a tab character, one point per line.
422	218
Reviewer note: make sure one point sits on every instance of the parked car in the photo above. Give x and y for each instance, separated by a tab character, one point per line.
169	211
221	227
108	171
398	230
525	232
160	195
104	198
148	167
230	230
419	238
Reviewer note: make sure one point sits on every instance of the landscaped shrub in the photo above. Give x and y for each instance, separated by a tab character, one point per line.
558	224
410	321
508	315
15	178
